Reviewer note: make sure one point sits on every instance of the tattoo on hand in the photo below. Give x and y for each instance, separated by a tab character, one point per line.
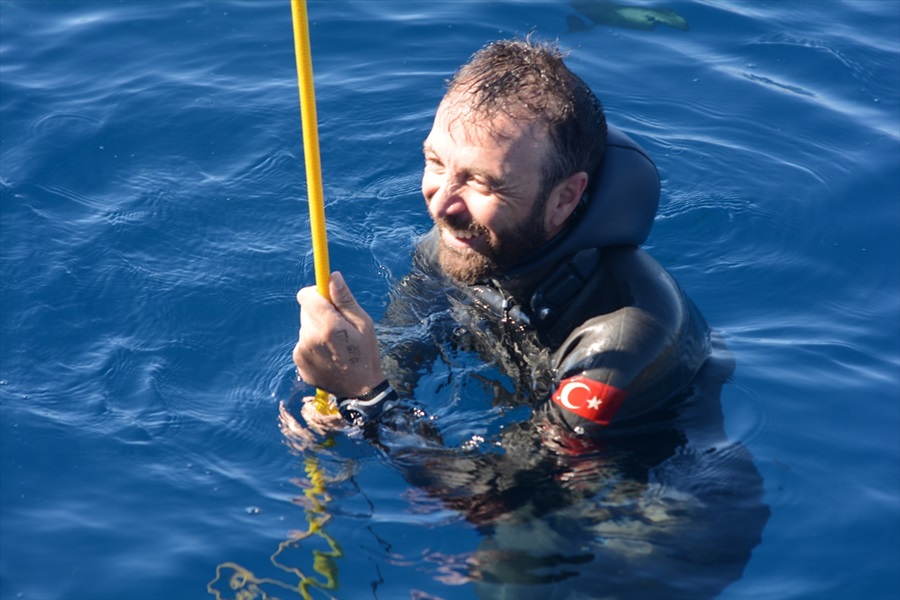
352	349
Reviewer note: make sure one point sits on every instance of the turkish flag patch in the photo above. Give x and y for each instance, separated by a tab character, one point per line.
592	400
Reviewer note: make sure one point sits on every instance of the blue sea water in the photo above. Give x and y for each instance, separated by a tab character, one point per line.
153	234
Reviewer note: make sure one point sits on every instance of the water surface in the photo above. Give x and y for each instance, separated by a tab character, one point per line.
154	234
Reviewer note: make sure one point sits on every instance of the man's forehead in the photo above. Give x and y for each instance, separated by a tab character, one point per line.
469	125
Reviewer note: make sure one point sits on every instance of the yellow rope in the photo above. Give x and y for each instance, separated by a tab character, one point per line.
313	164
243	583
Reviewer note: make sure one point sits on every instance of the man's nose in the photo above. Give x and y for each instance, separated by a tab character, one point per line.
447	200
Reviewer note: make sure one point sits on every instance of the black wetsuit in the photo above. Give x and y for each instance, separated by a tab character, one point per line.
596	328
606	322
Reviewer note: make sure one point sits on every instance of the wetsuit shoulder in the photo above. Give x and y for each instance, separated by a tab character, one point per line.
643	345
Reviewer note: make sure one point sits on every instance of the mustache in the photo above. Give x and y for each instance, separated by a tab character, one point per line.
460	223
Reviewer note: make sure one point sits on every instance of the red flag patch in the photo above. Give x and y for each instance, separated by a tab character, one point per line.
592	400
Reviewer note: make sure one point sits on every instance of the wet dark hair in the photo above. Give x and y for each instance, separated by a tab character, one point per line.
527	80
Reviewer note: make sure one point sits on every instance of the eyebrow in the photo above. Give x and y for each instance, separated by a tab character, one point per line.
490	179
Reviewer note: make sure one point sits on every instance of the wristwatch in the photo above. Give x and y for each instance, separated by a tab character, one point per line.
368	406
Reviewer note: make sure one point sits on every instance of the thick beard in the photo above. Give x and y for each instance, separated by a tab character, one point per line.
503	251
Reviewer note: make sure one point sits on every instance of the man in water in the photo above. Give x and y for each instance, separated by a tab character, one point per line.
516	142
534	262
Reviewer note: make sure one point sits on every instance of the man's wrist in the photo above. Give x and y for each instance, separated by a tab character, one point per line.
373	392
369	405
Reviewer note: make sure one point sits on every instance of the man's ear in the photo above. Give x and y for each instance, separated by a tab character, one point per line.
564	200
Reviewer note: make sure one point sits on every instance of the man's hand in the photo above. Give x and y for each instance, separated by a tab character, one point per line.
312	434
337	350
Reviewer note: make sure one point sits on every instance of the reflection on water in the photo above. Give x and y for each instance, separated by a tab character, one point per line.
668	509
243	584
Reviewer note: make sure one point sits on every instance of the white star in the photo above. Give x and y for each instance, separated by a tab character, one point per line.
594	403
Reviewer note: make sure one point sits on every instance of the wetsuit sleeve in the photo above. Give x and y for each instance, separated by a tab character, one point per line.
608	368
628	362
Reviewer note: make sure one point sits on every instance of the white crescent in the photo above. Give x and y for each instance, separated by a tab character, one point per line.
567	389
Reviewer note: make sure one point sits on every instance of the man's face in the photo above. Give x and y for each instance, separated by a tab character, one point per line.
482	183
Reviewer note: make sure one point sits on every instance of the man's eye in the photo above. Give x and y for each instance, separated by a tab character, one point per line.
482	185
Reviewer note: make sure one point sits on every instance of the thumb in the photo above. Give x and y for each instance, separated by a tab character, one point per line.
341	297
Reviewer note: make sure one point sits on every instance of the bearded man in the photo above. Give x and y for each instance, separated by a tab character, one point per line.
539	209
